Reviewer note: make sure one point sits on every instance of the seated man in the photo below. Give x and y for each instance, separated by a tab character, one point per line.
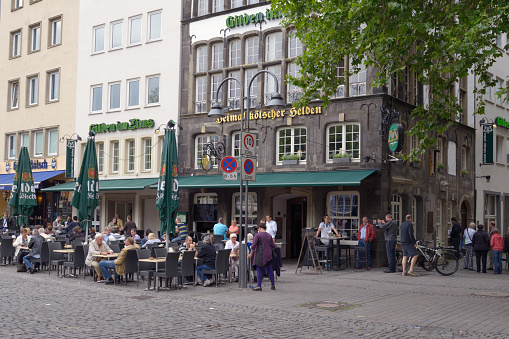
76	234
119	263
107	236
208	253
188	245
135	235
233	244
220	228
151	240
116	234
98	246
35	246
181	229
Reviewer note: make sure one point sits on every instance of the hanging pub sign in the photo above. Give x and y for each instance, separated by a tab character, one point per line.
487	144
396	137
69	159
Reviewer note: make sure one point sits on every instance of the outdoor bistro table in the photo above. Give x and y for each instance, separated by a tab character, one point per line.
157	261
338	250
107	256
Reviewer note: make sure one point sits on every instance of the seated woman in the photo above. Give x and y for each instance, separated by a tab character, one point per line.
21	241
233	244
151	240
208	254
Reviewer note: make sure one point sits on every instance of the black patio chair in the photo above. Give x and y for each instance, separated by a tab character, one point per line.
145	269
6	250
78	260
55	258
45	256
159	252
171	270
115	247
218	239
221	265
187	266
131	265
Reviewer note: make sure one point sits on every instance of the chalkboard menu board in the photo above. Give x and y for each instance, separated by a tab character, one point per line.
308	247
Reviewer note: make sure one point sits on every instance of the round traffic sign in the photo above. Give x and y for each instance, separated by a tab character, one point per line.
249	141
248	166
229	164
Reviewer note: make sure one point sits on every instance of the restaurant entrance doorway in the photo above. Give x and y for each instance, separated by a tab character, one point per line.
296	221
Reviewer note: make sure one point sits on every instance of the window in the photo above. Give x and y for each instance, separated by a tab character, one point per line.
35	38
147	154
16	44
135	30
438	219
53	142
116	34
99	39
291	141
218	6
17	4
235	54
234	91
12	146
14	94
54	80
498	41
252	208
203	7
134	93
38	144
343	210
252	46
115	156
252	2
201	59
490	208
270	83
487	95
215	82
499	150
293	92
343	139
154	29
25	140
206	199
201	94
340	74
153	90
253	91
440	153
451	157
33	90
97	98
100	156
217	56
56	31
273	46
358	81
236	143
294	45
200	142
396	208
115	96
237	3
413	209
499	99
414	143
507	150
130	155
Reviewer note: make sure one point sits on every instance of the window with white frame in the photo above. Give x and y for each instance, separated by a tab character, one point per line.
252	208
217	6
396	208
135	30
99	39
154	32
294	45
147	154
206	199
358	81
499	99
97	98
56	31
38	144
14	94
215	80
199	149
53	142
413	209
201	59
116	34
235	53
35	37
203	7
115	156
487	95
217	56
490	208
54	85
292	141
100	156
11	141
131	154
273	46
201	94
293	93
414	143
340	74
114	102
438	219
441	151
17	4
270	83
25	140
153	90
234	90
237	3
236	143
343	211
253	91
133	96
499	41
16	44
252	47
343	139
451	157
252	2
449	213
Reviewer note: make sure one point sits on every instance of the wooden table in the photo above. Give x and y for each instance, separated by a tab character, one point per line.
157	261
107	256
67	250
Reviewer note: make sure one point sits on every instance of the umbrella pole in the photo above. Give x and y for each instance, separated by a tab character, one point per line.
86	231
167	241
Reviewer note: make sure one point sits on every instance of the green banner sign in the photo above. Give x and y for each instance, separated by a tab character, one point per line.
396	137
487	144
502	122
246	19
69	158
122	126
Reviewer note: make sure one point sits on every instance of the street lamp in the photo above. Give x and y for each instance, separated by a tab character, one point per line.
217	112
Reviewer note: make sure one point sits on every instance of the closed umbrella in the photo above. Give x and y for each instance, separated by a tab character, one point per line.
86	191
167	185
23	198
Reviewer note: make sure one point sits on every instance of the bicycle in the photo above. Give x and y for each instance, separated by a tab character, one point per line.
441	259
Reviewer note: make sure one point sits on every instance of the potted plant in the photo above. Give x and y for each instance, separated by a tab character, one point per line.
441	168
464	173
415	163
341	157
290	159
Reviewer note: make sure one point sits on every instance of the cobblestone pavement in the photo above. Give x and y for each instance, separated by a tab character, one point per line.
371	304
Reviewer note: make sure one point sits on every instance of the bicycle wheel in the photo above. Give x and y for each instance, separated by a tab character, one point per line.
399	264
447	264
424	263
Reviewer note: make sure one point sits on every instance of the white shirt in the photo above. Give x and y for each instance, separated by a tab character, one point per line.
324	229
234	248
468	235
363	231
271	228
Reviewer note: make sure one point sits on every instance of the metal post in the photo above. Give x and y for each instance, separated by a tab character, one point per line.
243	246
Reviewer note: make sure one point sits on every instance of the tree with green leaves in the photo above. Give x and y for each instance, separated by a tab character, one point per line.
440	41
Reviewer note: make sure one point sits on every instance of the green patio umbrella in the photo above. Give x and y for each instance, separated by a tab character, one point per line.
86	191
167	186
23	197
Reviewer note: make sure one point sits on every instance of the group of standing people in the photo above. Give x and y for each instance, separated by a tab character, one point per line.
481	243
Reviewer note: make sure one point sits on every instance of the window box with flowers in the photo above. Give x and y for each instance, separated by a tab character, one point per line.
290	159
464	174
415	163
341	158
441	168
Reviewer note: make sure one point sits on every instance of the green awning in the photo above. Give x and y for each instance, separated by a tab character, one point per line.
108	185
288	179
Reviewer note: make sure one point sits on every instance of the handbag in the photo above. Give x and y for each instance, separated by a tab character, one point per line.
22	268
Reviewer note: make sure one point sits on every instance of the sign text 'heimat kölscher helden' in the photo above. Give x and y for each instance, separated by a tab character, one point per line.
122	126
272	114
246	19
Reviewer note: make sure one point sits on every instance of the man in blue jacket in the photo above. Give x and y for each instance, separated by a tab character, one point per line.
408	245
391	233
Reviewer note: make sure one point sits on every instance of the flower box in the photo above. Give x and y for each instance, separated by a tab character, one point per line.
415	164
290	162
341	160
